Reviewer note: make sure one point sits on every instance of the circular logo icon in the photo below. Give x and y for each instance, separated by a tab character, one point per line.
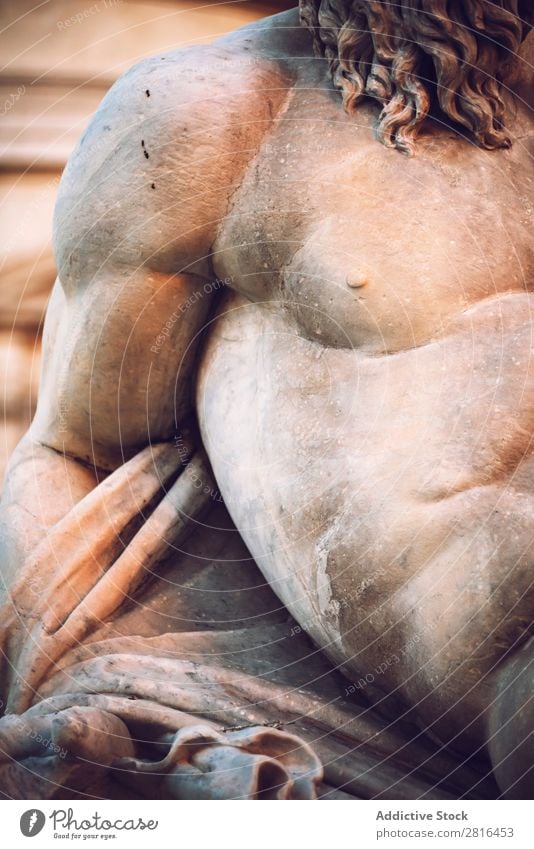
32	822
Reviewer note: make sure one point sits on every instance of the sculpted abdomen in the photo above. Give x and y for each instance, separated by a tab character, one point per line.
375	491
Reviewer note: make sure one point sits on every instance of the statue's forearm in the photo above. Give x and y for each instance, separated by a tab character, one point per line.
40	488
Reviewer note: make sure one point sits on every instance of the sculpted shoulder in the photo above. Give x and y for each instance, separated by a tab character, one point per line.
154	173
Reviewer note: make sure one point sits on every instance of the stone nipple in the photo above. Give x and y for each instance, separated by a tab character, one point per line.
357	281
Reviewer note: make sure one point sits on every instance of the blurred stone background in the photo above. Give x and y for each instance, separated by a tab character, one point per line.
59	57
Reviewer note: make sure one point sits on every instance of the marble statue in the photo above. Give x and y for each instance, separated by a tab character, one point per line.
269	534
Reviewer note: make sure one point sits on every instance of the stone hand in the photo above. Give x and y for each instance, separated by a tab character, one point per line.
95	558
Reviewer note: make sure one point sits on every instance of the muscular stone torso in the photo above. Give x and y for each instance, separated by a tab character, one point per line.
364	392
366	397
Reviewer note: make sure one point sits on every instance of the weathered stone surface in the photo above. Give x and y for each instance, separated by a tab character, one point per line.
351	329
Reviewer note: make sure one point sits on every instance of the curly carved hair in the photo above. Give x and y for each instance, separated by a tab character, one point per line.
408	53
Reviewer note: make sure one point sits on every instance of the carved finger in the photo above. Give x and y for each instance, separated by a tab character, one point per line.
169	525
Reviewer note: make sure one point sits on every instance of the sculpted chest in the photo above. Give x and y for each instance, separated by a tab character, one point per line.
368	249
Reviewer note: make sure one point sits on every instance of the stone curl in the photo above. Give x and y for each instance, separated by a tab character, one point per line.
410	54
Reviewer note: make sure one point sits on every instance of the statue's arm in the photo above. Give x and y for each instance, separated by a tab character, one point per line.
133	292
104	395
138	210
